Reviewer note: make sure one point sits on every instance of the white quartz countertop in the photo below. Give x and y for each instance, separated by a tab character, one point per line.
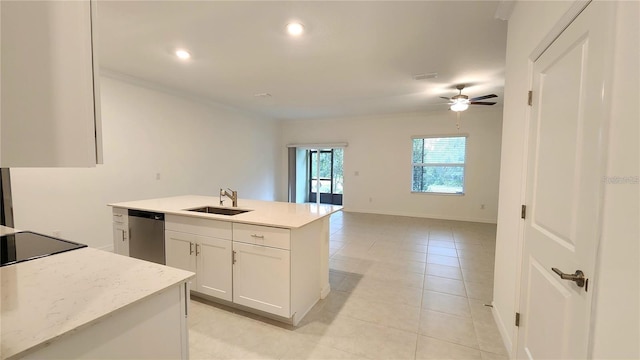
49	297
7	230
270	213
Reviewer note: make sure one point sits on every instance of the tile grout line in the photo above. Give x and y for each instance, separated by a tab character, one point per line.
424	277
423	289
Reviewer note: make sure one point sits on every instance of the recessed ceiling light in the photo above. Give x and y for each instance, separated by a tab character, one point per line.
183	54
295	29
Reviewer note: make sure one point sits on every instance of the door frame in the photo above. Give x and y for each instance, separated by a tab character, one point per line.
572	13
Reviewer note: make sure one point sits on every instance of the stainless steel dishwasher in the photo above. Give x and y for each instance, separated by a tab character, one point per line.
146	236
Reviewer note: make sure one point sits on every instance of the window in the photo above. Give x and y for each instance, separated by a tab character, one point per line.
438	164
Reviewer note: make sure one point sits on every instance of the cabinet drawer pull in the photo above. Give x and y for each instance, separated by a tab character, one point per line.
197	249
190	248
118	215
257	236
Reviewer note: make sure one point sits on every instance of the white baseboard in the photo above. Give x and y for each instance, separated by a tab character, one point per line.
325	291
504	333
420	215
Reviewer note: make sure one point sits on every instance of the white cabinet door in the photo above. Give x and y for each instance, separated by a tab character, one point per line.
121	239
180	250
214	267
261	278
50	105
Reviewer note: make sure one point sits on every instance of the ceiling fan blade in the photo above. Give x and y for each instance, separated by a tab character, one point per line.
446	98
482	103
483	97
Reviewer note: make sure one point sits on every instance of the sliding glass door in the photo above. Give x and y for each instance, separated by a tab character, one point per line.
328	175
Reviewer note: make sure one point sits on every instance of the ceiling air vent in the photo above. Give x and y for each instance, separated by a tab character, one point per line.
425	76
262	95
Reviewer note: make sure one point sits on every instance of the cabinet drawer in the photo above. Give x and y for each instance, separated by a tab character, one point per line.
262	235
198	226
120	216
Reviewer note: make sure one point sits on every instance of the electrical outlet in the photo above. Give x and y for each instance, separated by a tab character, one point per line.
370	199
482	206
157	176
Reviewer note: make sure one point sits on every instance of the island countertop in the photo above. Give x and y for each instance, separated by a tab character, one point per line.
47	298
269	213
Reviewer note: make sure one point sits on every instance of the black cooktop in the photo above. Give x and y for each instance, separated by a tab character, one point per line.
27	245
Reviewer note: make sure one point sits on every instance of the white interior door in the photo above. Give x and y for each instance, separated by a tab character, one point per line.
564	188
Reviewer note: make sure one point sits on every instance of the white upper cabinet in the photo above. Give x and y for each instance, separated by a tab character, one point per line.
50	113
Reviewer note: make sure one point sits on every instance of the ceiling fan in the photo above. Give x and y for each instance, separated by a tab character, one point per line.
461	102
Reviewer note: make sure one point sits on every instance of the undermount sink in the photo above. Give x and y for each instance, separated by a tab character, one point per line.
218	210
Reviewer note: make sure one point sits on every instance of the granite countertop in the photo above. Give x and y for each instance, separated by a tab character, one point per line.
269	213
49	297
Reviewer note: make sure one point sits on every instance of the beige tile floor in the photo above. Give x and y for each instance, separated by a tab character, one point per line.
402	288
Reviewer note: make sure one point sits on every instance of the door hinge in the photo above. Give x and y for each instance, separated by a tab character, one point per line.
530	98
523	212
517	319
233	257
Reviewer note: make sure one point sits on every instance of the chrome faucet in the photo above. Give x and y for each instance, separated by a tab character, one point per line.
231	194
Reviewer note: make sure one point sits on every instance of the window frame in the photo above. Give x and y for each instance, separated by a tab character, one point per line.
463	165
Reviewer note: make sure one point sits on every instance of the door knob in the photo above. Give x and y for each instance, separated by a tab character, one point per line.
578	276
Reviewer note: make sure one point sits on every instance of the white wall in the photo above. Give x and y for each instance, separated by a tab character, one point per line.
380	152
615	313
195	147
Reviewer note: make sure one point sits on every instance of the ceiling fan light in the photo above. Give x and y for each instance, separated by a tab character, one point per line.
183	54
295	29
460	106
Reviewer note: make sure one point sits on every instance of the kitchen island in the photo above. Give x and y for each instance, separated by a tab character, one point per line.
88	303
272	259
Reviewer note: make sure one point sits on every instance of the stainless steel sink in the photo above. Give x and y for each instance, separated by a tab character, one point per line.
218	210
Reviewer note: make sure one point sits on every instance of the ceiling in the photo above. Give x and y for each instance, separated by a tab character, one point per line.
355	57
